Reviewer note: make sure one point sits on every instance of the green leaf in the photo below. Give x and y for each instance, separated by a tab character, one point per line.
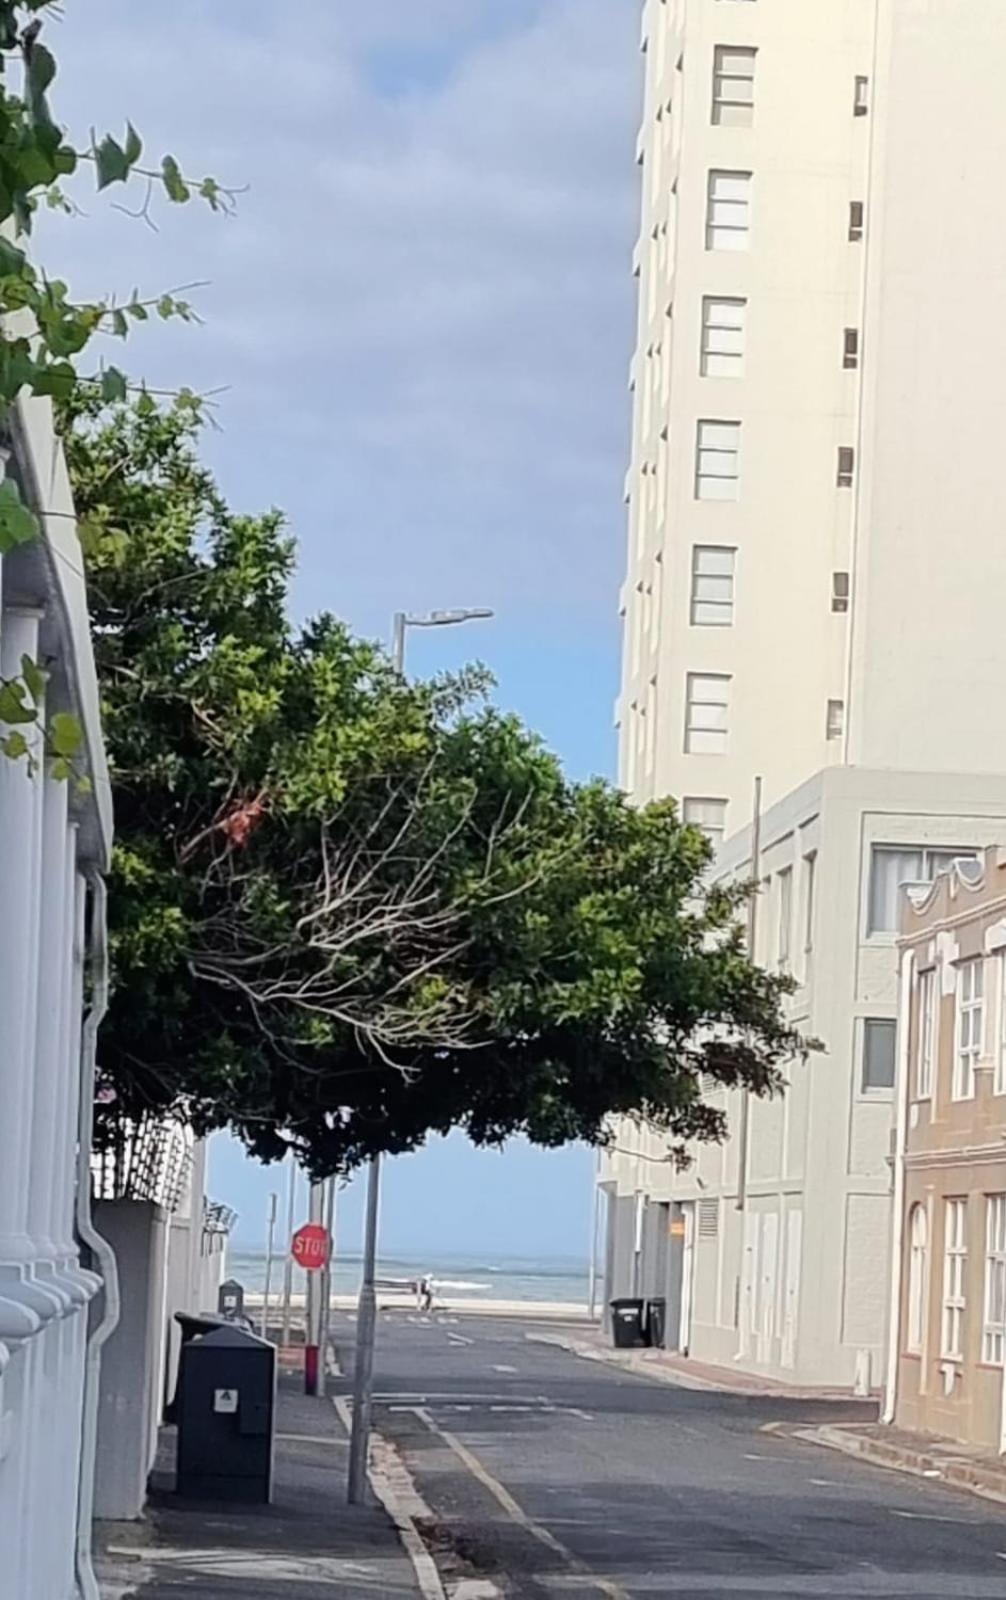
15	745
34	677
12	260
137	310
114	387
171	174
134	145
111	162
61	770
83	787
65	735
13	707
41	68
17	524
120	327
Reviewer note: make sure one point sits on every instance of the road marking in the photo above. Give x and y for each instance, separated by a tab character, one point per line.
926	1516
506	1369
458	1338
392	1483
516	1512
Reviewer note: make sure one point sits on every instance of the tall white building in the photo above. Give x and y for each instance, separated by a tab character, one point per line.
816	578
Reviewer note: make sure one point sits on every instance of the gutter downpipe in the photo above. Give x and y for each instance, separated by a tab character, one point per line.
742	1140
88	1234
905	969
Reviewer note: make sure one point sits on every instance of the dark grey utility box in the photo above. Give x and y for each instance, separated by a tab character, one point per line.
226	1404
231	1300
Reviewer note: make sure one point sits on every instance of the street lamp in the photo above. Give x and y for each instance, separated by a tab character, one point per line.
366	1315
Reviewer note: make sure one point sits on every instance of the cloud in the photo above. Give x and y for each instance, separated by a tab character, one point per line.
423	309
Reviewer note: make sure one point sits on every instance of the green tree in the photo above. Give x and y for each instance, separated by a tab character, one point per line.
349	910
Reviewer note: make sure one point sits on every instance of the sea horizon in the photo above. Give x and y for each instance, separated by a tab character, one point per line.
486	1275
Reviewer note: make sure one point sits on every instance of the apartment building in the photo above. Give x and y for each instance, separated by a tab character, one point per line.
813	592
948	1341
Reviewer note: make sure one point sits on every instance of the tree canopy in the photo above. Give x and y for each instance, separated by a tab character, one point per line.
348	910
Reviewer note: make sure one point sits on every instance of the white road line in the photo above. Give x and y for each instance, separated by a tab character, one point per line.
517	1514
512	1370
926	1516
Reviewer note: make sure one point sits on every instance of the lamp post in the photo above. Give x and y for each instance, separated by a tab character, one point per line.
366	1316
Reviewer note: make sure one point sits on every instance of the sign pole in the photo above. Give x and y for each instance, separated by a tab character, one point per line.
291	1196
313	1333
273	1200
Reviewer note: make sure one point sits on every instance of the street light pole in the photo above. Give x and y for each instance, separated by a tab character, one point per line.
366	1313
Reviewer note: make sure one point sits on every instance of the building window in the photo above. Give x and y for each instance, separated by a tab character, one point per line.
835	721
709	816
728	210
808	885
723	329
840	591
846	466
717	461
879	1036
712	586
857	221
969	1026
733	85
861	97
955	1272
707	701
918	1265
994	1326
890	868
850	349
785	931
927	1034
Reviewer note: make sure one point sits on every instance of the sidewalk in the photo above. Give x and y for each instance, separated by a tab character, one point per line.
925	1455
308	1538
667	1367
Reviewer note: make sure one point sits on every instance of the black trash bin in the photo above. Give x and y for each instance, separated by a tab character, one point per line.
627	1324
656	1322
193	1325
226	1406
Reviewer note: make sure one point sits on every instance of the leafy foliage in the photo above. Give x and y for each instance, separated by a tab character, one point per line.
572	960
44	331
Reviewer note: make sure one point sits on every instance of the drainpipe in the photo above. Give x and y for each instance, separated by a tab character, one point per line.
742	1136
100	1248
905	968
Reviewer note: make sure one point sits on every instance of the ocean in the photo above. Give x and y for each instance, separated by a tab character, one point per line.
534	1278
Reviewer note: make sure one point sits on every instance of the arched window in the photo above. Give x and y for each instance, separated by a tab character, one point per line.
918	1276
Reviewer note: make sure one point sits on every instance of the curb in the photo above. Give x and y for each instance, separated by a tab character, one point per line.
642	1365
959	1472
393	1487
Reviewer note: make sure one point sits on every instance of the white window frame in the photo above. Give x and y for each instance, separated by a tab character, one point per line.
708	814
733	85
728	209
724	336
931	859
955	1278
717	459
877	1091
808	887
784	929
706	716
928	1034
918	1279
711	603
968	1025
994	1313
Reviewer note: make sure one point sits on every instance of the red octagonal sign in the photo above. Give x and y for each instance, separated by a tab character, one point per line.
310	1246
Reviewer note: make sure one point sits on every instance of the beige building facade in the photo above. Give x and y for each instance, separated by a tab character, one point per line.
949	1323
813	594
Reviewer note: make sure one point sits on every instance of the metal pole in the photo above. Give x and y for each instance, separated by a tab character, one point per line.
366	1311
273	1201
291	1198
742	1162
313	1331
366	1322
325	1313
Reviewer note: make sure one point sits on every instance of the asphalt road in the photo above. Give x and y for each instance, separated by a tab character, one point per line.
554	1476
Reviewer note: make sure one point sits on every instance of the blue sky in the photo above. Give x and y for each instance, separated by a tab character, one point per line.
421	317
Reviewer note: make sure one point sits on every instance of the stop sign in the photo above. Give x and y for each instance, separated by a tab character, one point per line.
310	1246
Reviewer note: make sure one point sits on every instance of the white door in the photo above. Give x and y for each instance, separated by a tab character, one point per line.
749	1285
791	1291
768	1286
687	1279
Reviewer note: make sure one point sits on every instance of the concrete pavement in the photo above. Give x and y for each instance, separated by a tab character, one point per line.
308	1544
548	1476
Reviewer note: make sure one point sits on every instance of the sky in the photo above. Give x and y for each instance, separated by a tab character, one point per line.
419	320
